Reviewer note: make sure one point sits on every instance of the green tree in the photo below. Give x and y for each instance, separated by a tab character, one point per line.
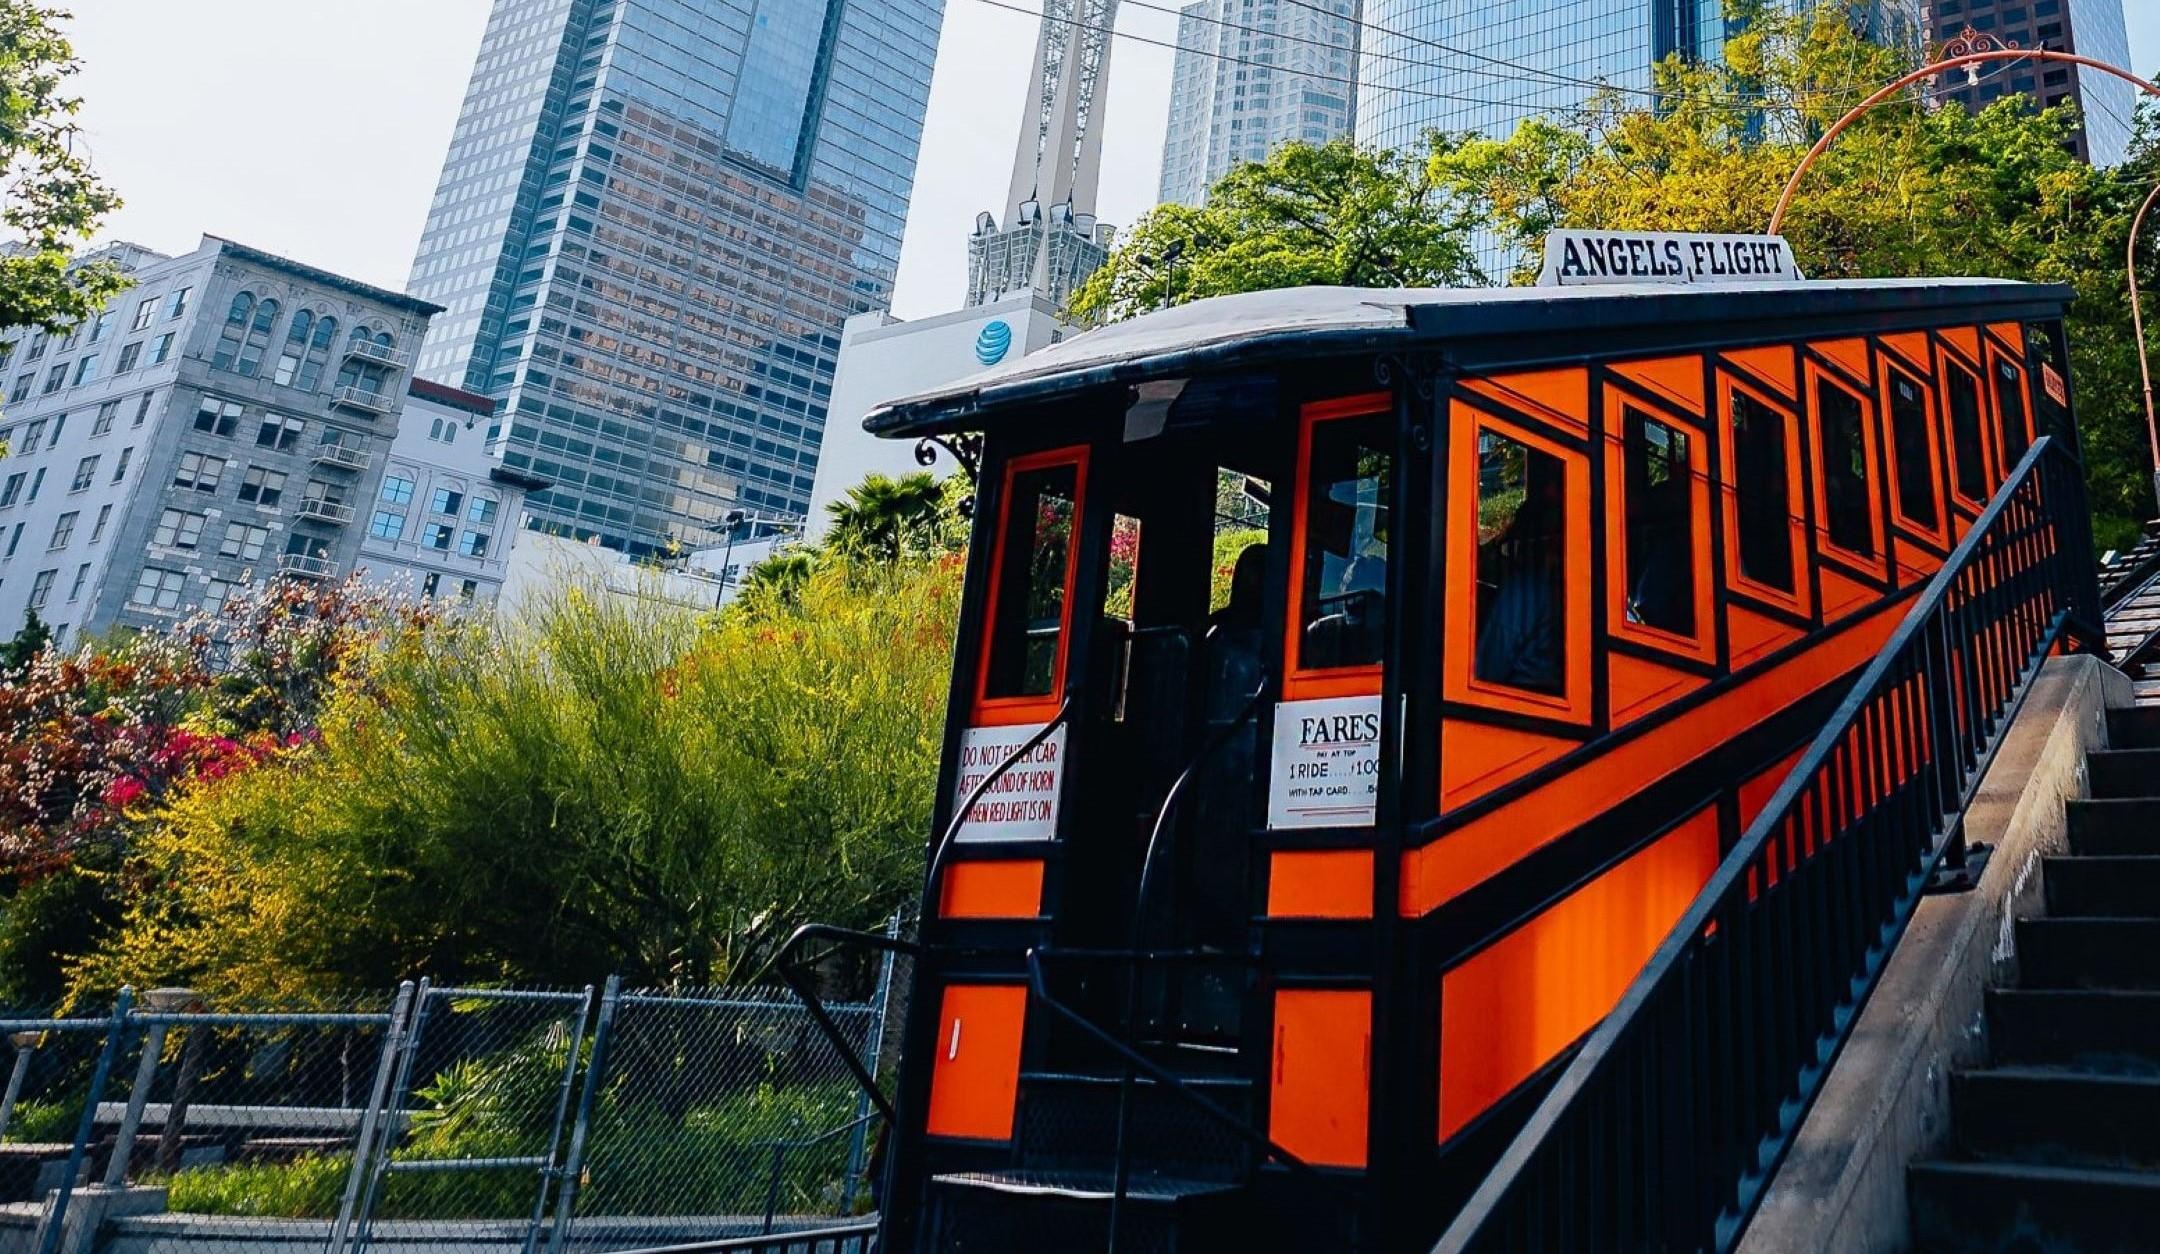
17	653
887	519
54	201
1327	214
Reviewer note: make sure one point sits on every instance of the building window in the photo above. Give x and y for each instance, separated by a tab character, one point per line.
437	536
388	524
86	369
161	348
41	587
447	501
218	417
100	325
97	529
397	489
158	589
279	432
262	486
198	471
37	346
469	589
33	435
21	390
429	584
145	313
288	364
179	529
37	480
318	354
258	337
178	303
13	490
221	590
63	530
119	470
473	544
129	354
82	576
234	332
482	510
85	473
244	541
14	538
55	379
102	424
142	408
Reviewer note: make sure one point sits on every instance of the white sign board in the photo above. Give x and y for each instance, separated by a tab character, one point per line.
1590	257
1022	803
1325	770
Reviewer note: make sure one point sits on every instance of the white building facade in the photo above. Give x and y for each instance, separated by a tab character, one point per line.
1251	75
447	513
218	423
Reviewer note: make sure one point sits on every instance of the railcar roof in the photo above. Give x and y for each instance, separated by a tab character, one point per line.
1260	327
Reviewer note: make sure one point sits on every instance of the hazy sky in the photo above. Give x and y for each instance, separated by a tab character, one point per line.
316	129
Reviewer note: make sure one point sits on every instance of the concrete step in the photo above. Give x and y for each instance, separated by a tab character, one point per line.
2103	829
2102	887
2026	1207
2093	1030
2088	953
2057	1116
2133	728
2124	773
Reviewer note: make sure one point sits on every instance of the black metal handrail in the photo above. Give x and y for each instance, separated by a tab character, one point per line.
857	1237
779	1148
1669	1122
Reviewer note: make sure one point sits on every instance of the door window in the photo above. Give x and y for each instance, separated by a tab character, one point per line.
1340	607
1031	583
1521	566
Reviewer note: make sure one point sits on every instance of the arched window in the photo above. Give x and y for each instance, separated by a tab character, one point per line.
349	374
318	353
236	320
384	338
289	358
258	337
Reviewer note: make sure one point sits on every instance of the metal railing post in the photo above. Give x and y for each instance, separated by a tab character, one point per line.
772	1184
116	1167
86	1126
858	1140
573	1167
393	1036
552	1173
26	1046
391	1123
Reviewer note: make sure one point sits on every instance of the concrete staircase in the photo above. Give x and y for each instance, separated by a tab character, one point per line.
2055	1144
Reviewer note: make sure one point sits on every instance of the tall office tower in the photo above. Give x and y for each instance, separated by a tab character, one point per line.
1251	74
2092	28
1050	241
654	217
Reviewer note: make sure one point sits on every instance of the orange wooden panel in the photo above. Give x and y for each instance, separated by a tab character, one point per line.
1321	1082
1320	884
1560	396
1755	636
1459	641
1637	687
1842	596
1966	338
975	1076
2011	334
992	889
1476	758
1677	379
1851	354
1756	792
1515	1005
1438	872
1913	347
1773	365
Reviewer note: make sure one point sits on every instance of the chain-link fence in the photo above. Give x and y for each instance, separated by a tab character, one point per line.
452	1120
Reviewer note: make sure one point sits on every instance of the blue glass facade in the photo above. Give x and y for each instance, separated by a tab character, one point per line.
652	221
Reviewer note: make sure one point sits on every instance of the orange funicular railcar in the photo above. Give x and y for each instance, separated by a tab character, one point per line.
1353	687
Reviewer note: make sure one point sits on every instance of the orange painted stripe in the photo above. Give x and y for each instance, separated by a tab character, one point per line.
1459	860
992	889
1320	884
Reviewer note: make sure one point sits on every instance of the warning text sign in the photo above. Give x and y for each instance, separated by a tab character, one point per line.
1020	804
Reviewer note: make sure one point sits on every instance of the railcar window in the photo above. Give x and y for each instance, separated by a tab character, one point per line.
2010	406
1030	617
1844	465
1521	592
1908	427
1349	484
1761	479
1660	526
1966	463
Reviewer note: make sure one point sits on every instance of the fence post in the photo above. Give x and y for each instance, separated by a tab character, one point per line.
26	1045
562	1109
574	1161
772	1185
391	1123
86	1127
123	1149
393	1033
858	1139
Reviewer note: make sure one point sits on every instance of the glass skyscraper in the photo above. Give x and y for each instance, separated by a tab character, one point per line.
652	221
2093	28
1250	75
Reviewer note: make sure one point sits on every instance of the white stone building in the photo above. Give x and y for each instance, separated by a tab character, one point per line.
447	513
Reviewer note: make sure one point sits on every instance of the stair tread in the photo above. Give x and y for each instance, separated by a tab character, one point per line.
1087	1185
2031	1073
2006	1170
